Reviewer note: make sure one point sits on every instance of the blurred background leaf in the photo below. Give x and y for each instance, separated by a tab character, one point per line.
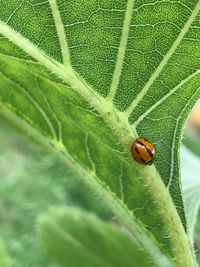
190	170
192	131
30	181
79	239
191	186
5	260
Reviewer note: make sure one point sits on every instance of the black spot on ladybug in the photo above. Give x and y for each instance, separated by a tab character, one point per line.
141	143
143	160
137	151
149	152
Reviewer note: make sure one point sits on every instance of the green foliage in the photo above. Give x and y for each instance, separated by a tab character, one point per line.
197	238
191	186
5	259
31	180
70	235
85	78
192	143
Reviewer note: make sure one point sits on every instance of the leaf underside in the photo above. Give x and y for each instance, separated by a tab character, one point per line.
143	56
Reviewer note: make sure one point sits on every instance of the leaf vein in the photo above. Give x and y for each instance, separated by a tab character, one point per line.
89	154
34	102
121	50
69	76
121	184
159	102
164	61
51	110
61	32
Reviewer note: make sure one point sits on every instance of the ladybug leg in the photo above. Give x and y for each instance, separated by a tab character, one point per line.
150	162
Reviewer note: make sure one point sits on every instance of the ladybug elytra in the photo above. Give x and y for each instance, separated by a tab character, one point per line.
143	151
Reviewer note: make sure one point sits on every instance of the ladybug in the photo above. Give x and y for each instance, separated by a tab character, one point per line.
143	151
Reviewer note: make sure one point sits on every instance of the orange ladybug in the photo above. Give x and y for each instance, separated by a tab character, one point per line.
143	151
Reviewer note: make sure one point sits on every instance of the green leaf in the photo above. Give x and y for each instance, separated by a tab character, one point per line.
192	143
23	196
5	259
88	77
76	238
31	180
191	187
